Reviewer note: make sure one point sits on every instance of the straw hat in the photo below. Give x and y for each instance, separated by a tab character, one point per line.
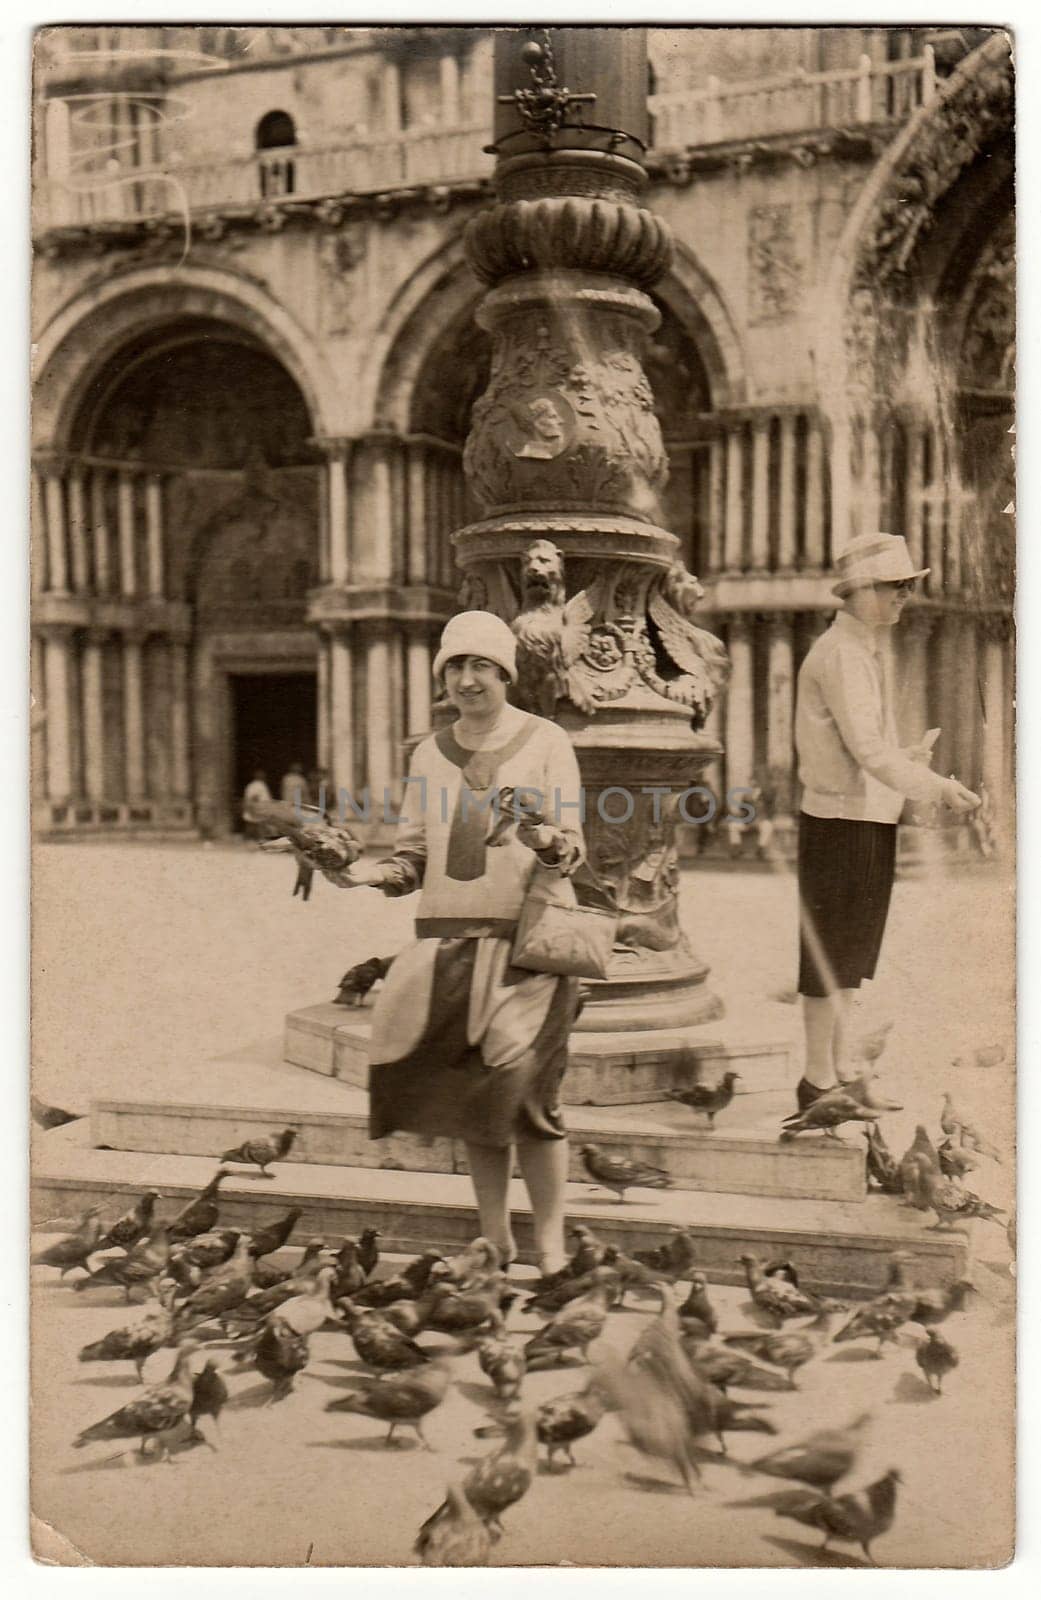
478	633
874	558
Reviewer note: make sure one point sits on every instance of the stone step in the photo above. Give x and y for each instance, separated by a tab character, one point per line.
605	1069
251	1093
839	1248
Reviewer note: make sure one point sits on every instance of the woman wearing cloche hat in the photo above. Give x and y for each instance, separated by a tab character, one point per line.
855	779
464	1045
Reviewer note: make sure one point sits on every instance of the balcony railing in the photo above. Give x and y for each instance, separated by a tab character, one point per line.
125	191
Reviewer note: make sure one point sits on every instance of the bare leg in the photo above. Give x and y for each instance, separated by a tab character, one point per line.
843	1012
543	1164
818	1021
490	1167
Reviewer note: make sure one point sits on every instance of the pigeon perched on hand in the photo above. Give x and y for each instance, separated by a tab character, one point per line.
936	1356
74	1250
312	838
708	1099
401	1399
132	1225
618	1174
261	1152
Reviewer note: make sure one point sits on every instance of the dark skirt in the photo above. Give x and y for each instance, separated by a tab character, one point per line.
845	883
443	1089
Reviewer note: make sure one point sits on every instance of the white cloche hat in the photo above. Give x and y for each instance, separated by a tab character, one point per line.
478	633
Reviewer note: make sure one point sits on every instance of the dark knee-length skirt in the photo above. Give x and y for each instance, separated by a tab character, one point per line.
443	1087
845	883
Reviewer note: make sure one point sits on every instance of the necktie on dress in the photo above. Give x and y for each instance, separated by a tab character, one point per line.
465	860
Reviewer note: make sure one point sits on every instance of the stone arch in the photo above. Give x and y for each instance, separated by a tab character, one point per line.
86	333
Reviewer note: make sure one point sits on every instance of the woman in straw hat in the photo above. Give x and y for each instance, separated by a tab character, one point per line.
464	1045
855	779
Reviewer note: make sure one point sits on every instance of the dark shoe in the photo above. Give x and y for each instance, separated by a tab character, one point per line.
806	1093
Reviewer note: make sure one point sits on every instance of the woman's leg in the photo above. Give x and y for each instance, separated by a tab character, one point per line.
840	1038
490	1168
543	1164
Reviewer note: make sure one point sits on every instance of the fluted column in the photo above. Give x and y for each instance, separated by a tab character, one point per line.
814	494
786	495
740	745
93	690
761	494
336	502
780	688
373	531
57	644
733	524
154	531
99	529
57	560
380	716
417	517
418	683
77	511
341	709
134	715
127	535
180	711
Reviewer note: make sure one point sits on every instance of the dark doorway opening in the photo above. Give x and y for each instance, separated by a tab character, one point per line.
275	720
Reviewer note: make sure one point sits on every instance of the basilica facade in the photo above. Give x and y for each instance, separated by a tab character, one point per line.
256	355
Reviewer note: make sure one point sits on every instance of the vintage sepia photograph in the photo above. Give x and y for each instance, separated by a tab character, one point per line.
523	767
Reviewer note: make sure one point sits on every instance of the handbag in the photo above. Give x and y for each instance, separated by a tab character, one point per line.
557	935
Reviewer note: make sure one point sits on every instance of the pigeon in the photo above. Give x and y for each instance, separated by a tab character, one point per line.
500	1479
350	1274
310	1310
458	1538
264	1241
989	1056
954	1204
576	1327
919	1161
828	1114
358	980
862	1088
307	832
378	1343
132	1225
860	1517
502	1363
954	1125
730	1369
200	1214
401	1400
870	1046
477	1260
782	1269
447	1309
142	1266
633	1274
49	1117
153	1414
192	1259
209	1397
787	1350
954	1161
562	1421
706	1409
708	1099
653	1416
882	1169
368	1250
141	1339
618	1174
936	1356
933	1306
697	1315
880	1318
820	1460
776	1296
74	1250
259	1305
676	1256
589	1252
222	1290
549	1301
405	1285
261	1152
279	1354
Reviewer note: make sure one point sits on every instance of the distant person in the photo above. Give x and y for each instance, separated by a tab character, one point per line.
855	778
294	786
255	793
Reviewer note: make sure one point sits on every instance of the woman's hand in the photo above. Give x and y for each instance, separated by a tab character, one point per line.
362	875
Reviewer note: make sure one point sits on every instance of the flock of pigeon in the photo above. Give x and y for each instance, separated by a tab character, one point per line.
209	1286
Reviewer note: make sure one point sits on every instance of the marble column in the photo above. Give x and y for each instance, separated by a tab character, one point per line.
337	503
419	684
57	645
815	553
341	710
57	559
99	529
740	738
449	65
134	715
154	529
127	535
786	494
761	494
93	689
38	532
180	712
379	716
780	709
77	513
373	535
733	526
714	511
417	515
